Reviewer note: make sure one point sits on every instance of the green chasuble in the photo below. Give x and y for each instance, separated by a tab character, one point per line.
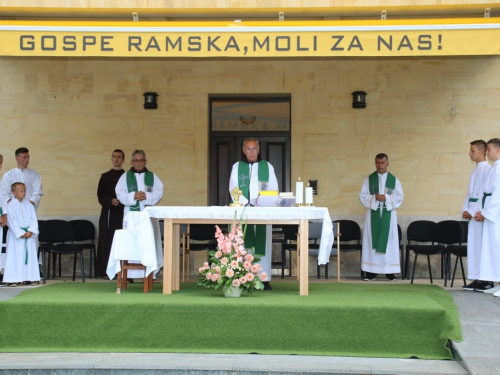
255	235
149	180
380	224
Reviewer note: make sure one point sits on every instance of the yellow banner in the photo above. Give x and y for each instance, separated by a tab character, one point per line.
238	40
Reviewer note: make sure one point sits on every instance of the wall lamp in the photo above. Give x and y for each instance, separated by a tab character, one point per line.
248	120
150	100
359	99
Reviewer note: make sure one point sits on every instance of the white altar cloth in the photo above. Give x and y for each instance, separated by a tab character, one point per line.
249	213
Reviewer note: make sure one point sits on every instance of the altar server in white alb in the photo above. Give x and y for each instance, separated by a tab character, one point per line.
489	266
136	189
381	195
253	175
472	205
21	263
28	176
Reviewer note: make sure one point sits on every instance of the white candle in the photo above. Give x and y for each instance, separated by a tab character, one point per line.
299	192
309	195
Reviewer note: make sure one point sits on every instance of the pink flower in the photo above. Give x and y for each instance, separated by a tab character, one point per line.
236	283
249	257
243	279
247	265
209	275
223	261
263	276
249	277
215	277
201	269
255	268
229	273
206	265
218	254
234	264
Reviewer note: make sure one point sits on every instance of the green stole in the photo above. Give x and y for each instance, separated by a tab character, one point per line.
255	235
149	180
1	211
25	245
380	224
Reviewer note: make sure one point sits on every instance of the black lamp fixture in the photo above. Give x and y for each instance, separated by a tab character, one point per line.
359	99
150	100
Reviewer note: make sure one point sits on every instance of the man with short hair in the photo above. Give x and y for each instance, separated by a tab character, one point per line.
253	175
136	189
23	174
489	215
111	217
471	206
381	194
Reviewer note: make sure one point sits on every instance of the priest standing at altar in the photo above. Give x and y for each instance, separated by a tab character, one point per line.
253	175
381	195
136	189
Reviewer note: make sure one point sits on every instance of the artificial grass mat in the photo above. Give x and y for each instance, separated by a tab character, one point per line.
364	320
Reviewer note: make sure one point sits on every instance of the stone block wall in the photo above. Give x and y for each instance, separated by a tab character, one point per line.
423	112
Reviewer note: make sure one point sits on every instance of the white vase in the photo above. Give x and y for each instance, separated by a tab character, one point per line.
232	291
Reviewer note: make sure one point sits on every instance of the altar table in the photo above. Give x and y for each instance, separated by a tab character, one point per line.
174	216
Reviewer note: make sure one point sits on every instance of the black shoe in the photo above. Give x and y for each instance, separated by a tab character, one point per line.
485	285
267	286
391	277
472	285
370	276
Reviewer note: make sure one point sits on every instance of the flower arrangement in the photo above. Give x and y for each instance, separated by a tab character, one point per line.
231	264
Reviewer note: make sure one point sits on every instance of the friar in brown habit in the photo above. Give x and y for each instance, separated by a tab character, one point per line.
111	217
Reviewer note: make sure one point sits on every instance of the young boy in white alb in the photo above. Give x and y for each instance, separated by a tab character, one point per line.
21	263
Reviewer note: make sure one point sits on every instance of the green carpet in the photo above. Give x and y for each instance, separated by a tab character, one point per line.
335	319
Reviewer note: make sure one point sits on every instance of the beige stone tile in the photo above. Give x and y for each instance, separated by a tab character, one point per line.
36	103
13	125
104	83
126	83
165	83
453	184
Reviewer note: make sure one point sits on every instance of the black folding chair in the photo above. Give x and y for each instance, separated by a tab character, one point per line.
290	244
445	233
56	237
460	251
84	231
350	240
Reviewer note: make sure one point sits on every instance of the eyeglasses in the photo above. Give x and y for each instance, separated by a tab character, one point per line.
254	149
138	160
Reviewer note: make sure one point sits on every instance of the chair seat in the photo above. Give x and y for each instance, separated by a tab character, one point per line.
427	249
65	248
201	246
460	251
346	247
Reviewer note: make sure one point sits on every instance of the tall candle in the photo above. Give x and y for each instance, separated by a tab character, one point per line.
309	195
299	192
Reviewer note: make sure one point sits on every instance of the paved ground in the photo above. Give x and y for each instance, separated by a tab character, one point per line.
479	352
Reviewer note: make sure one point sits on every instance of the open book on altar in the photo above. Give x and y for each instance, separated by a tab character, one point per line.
273	199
